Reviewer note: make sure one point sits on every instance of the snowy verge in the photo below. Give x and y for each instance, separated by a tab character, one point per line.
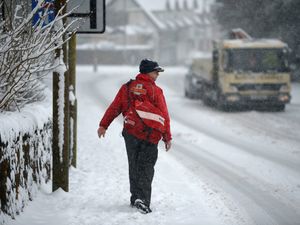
25	155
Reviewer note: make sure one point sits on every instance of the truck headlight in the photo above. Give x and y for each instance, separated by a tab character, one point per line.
232	98
283	98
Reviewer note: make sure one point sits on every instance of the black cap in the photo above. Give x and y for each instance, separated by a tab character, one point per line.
147	66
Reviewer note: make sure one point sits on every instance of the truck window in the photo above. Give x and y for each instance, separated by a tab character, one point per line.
256	60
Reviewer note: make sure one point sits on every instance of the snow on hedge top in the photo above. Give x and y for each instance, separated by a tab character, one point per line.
31	117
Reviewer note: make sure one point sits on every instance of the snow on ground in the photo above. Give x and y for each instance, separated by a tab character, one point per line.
190	186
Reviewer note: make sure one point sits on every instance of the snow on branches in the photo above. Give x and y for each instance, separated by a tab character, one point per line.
27	52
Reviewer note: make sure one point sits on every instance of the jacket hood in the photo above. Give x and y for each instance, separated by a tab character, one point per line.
145	77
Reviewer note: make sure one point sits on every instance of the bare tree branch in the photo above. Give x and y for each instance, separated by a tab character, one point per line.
26	54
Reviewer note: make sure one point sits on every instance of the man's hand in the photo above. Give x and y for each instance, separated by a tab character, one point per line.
168	145
101	132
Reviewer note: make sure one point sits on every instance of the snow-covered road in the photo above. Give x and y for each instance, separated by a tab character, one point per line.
223	169
254	157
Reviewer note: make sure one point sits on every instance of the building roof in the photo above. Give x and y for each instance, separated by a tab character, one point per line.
160	5
150	15
165	18
171	18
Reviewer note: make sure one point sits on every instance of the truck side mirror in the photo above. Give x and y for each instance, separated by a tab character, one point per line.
215	59
215	55
215	65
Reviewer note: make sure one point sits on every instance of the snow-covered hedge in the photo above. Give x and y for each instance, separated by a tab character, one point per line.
25	155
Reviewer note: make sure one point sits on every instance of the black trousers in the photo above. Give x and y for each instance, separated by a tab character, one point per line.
142	156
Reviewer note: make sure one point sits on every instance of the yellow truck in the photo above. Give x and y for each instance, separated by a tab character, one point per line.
243	72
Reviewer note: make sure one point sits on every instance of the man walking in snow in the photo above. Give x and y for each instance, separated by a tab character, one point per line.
146	122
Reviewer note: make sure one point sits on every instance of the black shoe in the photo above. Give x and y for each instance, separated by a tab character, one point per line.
142	207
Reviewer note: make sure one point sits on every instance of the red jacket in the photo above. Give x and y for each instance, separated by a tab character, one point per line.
145	89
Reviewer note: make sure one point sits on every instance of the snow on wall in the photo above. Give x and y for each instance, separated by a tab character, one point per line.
25	155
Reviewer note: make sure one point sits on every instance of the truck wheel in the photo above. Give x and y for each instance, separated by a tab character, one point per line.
279	108
207	101
201	95
187	94
223	106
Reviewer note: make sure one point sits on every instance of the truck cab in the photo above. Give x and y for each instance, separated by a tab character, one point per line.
253	72
243	71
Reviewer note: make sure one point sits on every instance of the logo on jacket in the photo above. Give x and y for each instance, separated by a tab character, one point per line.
138	90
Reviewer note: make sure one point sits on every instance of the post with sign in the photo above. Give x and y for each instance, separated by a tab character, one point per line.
47	4
89	17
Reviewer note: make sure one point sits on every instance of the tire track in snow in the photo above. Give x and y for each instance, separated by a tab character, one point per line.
261	206
262	126
293	165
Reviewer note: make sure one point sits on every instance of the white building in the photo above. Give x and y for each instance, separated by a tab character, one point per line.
169	31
